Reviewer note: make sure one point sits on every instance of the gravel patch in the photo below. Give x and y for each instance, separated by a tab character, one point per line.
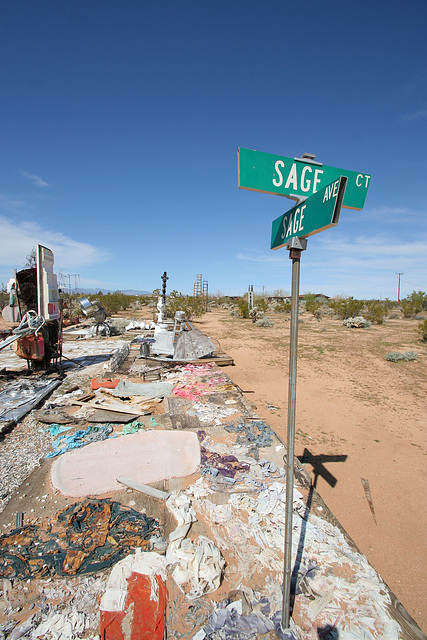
24	448
21	451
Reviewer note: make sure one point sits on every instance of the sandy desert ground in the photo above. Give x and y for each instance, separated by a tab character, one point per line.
351	403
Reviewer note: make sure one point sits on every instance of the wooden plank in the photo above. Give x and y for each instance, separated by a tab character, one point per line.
176	409
132	410
221	359
143	488
113	416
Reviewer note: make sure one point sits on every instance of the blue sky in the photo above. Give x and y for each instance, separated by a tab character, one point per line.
121	120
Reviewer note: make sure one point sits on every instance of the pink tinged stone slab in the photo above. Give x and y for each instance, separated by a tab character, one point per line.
146	457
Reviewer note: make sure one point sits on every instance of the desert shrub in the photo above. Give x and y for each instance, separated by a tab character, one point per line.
255	314
142	300
346	307
390	304
193	306
375	311
358	322
260	303
280	292
243	308
394	356
113	302
313	305
414	303
224	300
264	322
4	296
283	307
72	309
422	330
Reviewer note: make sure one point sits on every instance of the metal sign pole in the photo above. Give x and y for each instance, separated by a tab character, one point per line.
318	207
295	246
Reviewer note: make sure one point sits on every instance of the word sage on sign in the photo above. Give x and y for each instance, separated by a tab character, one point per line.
317	213
297	178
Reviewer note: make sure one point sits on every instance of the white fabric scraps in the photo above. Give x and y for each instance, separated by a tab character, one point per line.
67	625
228	622
199	564
254	533
82	594
147	563
180	507
208	412
200	489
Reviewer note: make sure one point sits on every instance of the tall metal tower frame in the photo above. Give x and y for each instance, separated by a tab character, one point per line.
198	286
66	286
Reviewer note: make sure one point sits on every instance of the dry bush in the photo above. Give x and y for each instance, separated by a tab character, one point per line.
414	303
422	330
346	307
375	311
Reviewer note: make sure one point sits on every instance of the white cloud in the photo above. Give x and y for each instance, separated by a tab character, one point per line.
376	248
380	251
415	115
390	214
18	238
36	180
10	204
339	263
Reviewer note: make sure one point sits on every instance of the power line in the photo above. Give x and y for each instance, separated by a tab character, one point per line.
375	286
412	284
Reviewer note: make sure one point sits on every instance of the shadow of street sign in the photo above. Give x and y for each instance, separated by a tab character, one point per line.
317	462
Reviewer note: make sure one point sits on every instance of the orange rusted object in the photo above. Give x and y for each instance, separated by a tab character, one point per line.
30	347
143	615
104	383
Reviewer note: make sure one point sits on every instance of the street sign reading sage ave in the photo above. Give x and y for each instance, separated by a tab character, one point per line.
317	213
320	191
296	178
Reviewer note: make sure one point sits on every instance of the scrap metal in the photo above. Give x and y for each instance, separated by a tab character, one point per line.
22	396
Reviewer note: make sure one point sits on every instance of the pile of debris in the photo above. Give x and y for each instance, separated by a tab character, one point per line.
159	507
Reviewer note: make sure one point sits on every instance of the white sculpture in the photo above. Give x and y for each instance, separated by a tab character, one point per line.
161	308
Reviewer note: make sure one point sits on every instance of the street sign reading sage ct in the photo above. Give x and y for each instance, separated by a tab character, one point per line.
296	178
319	212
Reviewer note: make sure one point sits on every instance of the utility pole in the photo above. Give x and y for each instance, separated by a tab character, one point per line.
251	297
398	285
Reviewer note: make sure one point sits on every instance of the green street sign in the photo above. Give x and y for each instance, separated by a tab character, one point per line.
296	178
319	212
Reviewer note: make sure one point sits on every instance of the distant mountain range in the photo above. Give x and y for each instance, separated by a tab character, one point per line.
129	292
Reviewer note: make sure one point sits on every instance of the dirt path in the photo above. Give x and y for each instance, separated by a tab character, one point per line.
365	415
